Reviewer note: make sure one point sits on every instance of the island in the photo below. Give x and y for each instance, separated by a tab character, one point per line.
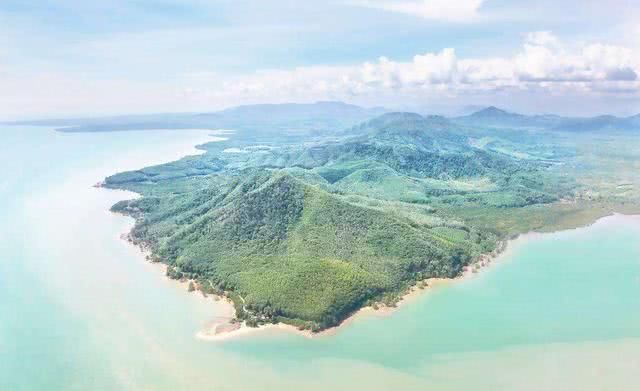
308	229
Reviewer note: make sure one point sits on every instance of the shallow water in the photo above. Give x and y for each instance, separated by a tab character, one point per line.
80	309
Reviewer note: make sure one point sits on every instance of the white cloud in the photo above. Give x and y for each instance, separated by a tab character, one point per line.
541	38
543	68
542	64
448	10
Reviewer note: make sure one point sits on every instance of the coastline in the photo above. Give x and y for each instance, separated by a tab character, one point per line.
222	328
191	148
216	332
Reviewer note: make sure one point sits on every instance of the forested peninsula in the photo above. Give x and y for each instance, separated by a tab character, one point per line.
307	229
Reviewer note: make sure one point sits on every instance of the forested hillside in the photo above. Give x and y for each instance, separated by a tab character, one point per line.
308	232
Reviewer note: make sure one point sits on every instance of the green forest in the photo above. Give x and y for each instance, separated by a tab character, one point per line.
306	230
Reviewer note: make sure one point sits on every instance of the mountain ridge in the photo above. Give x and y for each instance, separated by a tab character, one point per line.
322	116
327	117
499	118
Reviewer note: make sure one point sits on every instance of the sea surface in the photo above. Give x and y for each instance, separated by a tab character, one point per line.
80	309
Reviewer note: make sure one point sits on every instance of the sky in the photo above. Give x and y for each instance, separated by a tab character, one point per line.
76	57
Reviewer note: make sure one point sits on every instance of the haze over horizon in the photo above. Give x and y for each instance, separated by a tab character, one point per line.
71	58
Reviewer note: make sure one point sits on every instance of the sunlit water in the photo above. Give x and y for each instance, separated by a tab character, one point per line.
80	309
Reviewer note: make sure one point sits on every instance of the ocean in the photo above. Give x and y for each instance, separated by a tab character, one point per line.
81	309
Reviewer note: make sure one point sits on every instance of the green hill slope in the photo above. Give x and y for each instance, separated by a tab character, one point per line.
308	233
293	251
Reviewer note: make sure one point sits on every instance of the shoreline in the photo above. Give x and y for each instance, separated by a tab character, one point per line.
215	333
193	149
223	327
212	334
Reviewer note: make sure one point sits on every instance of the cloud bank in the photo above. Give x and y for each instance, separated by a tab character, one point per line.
544	74
542	64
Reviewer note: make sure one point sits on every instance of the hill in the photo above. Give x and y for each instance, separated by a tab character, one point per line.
497	118
307	233
291	251
603	123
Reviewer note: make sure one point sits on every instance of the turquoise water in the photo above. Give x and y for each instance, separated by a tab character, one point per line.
80	309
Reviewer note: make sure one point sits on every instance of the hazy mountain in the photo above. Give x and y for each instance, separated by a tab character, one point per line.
498	118
402	122
600	123
294	111
111	123
294	119
320	117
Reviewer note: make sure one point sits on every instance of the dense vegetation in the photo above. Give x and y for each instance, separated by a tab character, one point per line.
307	231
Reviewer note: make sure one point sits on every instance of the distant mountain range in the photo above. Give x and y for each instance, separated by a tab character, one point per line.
498	118
294	118
320	118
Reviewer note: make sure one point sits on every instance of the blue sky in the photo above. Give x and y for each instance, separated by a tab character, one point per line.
76	57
